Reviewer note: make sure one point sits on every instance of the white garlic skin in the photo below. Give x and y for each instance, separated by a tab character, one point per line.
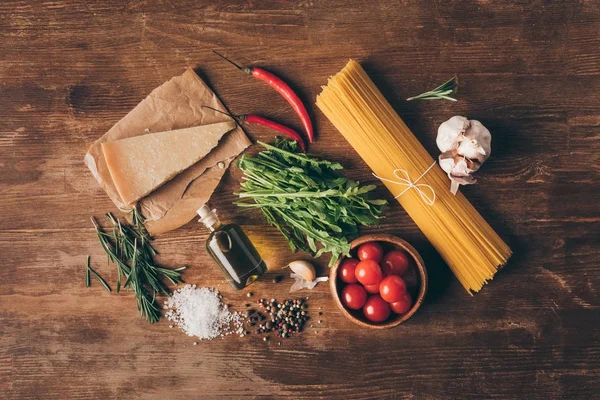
450	133
458	169
465	146
446	161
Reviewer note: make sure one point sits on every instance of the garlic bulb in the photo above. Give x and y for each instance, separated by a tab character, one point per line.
465	145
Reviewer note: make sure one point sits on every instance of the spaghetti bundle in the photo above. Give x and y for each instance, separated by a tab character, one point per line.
470	247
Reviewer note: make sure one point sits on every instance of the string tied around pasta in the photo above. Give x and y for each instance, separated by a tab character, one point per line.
429	200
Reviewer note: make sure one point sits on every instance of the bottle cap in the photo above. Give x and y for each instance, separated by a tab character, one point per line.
207	216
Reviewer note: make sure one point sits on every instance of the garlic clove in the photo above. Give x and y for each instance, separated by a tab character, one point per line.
479	144
450	133
460	168
446	161
304	269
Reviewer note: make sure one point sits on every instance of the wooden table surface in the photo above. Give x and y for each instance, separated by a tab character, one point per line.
530	71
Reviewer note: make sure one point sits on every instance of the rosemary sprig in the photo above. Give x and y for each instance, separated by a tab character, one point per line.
441	92
129	248
96	275
87	273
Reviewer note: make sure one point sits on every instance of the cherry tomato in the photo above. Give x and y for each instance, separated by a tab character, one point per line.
392	288
373	289
395	262
403	305
370	251
376	309
354	296
368	272
346	271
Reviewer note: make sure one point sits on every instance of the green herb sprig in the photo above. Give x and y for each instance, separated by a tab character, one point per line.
441	92
88	281
306	200
129	248
88	270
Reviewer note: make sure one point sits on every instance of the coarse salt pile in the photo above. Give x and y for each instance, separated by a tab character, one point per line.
200	312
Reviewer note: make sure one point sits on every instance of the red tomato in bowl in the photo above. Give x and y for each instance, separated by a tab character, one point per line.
395	262
354	296
392	288
368	272
373	289
370	251
347	269
376	309
403	305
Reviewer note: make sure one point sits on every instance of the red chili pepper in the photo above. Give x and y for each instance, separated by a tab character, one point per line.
257	119
283	89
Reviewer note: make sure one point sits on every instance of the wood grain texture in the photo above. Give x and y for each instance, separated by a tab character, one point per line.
530	71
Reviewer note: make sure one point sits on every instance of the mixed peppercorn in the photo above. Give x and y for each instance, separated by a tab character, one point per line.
282	318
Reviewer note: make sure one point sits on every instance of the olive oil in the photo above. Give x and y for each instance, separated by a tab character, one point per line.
232	250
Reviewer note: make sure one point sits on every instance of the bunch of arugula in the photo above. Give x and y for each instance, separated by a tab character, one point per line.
306	199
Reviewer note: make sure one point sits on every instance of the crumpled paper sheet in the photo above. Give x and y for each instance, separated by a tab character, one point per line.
175	104
196	195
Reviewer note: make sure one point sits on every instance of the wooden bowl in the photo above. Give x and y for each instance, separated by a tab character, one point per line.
389	242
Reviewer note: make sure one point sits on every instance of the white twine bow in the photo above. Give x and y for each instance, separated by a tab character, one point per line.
429	200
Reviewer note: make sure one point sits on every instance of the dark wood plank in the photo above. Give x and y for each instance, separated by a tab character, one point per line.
530	71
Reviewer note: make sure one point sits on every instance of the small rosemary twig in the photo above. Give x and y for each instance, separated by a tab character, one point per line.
441	92
96	275
87	273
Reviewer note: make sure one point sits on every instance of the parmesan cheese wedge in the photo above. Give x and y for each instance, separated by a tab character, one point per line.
139	165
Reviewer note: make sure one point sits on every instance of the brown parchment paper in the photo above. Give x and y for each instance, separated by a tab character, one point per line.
175	104
196	195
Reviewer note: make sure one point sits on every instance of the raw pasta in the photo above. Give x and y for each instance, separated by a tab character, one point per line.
463	238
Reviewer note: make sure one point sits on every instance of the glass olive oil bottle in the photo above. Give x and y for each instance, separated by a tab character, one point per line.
232	250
